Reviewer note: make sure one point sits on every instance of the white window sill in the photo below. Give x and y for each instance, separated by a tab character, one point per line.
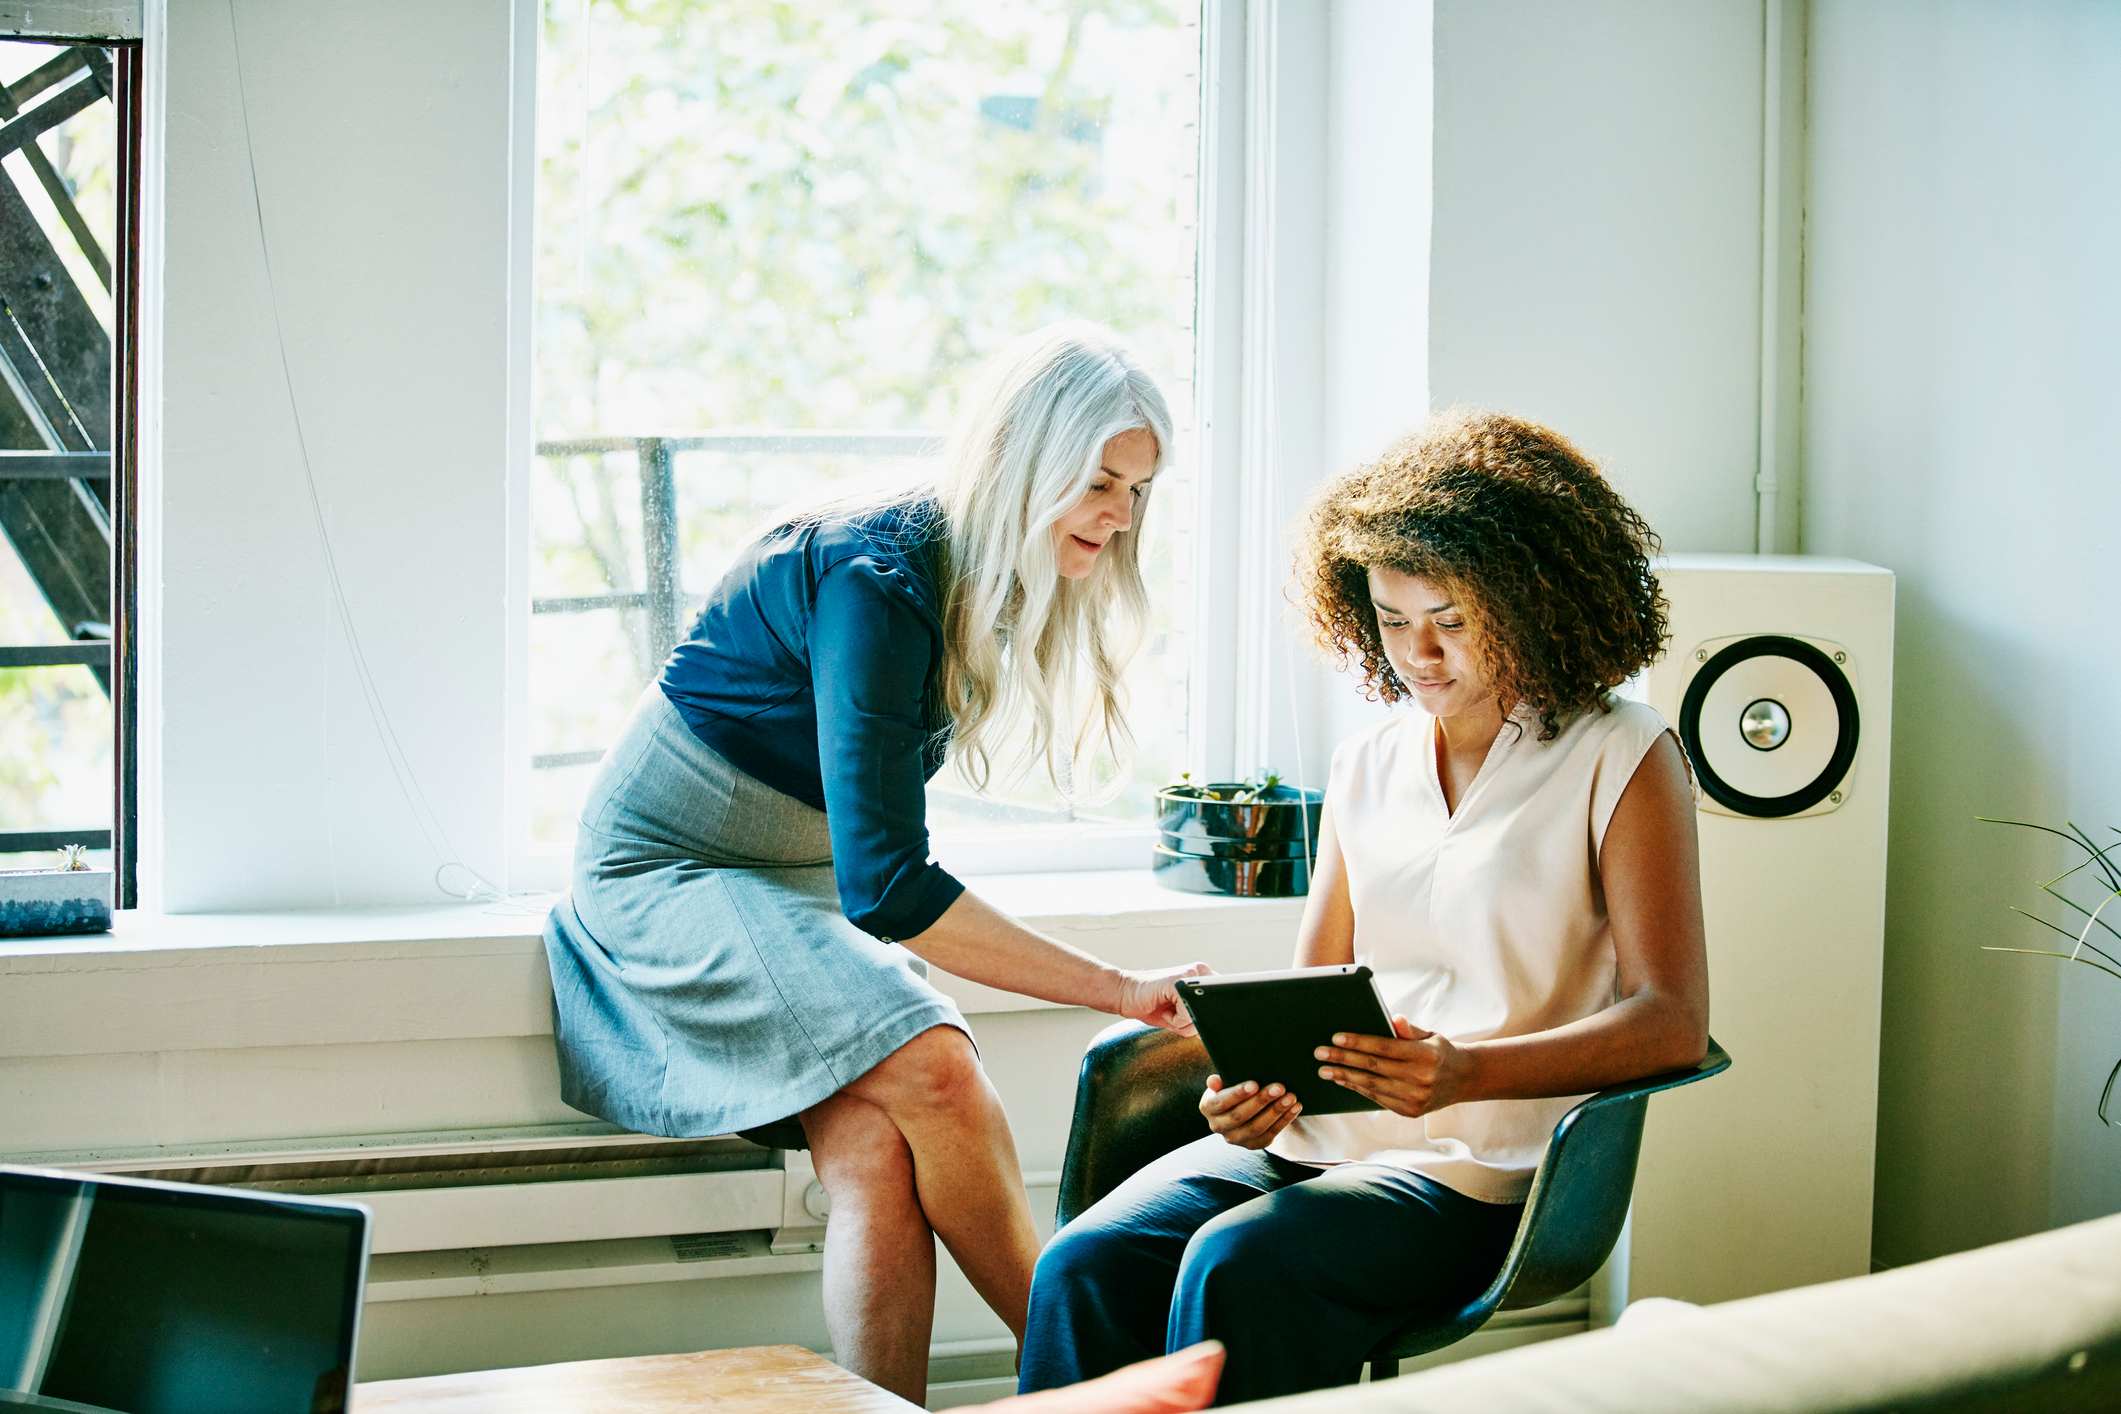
235	980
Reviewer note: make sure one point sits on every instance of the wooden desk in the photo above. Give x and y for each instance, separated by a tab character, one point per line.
759	1379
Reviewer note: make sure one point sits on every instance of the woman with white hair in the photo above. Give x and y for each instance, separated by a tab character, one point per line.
752	871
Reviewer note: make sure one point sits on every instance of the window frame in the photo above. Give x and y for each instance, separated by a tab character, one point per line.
1262	107
117	29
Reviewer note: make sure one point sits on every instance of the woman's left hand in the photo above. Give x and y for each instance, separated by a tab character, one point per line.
1411	1072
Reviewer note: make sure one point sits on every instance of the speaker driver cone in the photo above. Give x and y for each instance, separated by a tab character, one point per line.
1770	724
1765	725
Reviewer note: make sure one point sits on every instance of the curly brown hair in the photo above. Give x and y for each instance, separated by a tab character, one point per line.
1549	565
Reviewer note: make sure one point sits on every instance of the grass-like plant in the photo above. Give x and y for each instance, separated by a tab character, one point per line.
2106	877
1229	793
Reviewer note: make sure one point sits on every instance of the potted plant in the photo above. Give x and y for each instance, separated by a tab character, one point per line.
1255	838
73	898
2097	879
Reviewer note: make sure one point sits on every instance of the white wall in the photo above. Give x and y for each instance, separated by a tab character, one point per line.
1596	251
1378	106
381	143
1961	420
1379	101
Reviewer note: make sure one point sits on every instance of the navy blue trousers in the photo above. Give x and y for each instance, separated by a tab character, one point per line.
1299	1271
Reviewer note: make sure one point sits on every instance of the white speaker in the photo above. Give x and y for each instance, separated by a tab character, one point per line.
1779	681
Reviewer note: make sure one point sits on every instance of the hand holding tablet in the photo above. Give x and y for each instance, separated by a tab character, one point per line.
1263	1028
1410	1072
1313	1040
1247	1114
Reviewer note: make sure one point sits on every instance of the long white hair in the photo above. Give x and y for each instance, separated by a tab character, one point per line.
1022	644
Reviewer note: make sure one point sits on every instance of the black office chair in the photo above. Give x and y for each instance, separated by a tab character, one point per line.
1138	1098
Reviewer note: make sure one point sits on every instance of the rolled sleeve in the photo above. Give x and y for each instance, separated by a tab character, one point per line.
870	652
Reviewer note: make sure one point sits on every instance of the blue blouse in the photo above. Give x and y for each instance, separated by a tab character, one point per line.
813	668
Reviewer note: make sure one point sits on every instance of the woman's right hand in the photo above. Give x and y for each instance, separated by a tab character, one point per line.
1248	1115
1153	997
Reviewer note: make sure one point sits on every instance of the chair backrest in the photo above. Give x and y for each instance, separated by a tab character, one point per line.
1579	1198
1137	1098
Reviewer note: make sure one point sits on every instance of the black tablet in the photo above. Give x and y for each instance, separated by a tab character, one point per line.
1263	1026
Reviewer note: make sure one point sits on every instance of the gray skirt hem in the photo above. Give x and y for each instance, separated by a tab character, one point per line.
627	1111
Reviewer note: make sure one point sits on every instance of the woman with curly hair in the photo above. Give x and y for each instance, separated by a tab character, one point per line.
1515	860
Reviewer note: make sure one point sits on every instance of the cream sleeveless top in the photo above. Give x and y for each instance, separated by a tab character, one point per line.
1486	922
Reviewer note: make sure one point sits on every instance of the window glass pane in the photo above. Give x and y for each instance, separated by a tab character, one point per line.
55	773
55	769
725	497
24	616
758	218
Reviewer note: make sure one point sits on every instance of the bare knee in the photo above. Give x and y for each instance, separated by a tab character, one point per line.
936	1071
859	1154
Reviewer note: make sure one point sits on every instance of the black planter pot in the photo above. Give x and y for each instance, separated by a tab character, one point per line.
1230	849
1259	847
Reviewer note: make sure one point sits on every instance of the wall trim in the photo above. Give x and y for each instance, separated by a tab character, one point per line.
1777	482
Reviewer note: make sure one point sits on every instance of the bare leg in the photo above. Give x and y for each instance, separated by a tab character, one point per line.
879	1251
964	1163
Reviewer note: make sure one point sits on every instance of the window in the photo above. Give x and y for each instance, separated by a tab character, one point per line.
69	150
771	242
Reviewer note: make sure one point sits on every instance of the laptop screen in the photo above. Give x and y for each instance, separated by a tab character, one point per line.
158	1298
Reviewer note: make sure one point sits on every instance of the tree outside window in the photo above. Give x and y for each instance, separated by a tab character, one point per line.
772	240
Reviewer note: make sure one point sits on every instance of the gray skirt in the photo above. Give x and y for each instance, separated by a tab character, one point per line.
704	980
